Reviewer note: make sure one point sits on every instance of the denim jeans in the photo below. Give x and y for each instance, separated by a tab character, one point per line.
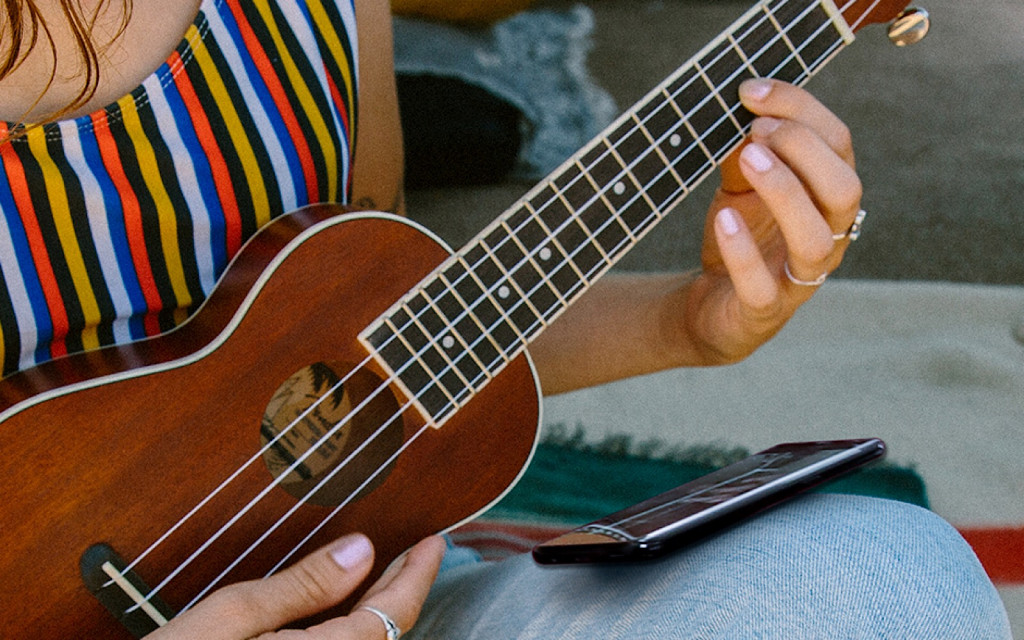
821	566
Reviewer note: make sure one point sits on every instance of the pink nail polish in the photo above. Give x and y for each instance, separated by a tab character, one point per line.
728	221
352	551
756	157
757	89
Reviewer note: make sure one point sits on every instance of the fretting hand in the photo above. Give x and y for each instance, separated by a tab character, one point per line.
776	225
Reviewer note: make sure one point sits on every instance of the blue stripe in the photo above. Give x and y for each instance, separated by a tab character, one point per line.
118	233
273	112
204	174
27	271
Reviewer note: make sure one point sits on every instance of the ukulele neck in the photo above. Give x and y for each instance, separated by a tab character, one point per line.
479	309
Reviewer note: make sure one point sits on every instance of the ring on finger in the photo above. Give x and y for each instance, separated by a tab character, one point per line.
390	628
854	231
803	283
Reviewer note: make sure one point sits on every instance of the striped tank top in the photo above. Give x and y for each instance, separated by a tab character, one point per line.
116	225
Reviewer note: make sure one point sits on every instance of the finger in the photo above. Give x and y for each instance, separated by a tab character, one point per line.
808	236
751	278
400	592
765	97
831	183
248	609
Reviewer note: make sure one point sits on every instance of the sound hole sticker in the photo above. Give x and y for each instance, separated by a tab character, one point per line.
313	412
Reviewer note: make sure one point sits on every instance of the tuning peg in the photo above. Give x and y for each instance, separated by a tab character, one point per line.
910	27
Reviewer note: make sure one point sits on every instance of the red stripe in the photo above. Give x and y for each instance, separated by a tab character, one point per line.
280	96
1001	551
343	114
131	211
218	166
40	256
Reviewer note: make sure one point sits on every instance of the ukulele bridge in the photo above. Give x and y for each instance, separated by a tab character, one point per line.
121	591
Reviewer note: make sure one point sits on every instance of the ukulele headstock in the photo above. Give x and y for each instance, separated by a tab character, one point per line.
908	24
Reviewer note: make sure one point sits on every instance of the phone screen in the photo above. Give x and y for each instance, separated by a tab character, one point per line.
709	503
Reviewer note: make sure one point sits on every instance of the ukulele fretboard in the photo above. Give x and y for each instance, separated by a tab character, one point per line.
477	311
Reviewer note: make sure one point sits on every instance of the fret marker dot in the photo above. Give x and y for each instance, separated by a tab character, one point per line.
545	254
619	188
448	342
675	140
504	292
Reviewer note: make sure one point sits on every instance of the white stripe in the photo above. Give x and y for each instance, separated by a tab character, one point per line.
188	180
264	130
96	213
27	328
302	28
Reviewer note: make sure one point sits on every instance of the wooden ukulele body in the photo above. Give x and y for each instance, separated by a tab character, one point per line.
121	458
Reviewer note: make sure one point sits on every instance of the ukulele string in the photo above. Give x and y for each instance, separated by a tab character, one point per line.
275	482
330	516
337	509
302	501
253	459
394	377
533	253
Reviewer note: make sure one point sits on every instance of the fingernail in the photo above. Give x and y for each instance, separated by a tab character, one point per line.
756	157
728	221
352	551
756	89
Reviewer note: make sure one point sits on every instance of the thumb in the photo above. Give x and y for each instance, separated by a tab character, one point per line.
247	609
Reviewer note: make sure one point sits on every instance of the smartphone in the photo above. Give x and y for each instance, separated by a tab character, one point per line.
700	508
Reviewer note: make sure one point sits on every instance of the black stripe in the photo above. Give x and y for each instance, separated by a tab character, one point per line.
86	243
147	208
51	240
185	224
260	154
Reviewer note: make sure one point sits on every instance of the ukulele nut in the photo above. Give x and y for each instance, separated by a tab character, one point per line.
910	27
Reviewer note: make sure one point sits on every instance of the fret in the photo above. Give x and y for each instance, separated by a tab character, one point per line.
654	172
712	122
426	352
531	278
536	240
509	335
784	13
456	341
418	382
599	218
468	329
724	68
555	215
814	43
767	51
630	144
516	286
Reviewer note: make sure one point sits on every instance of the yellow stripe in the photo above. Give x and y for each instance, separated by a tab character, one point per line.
330	34
166	217
298	84
239	138
57	197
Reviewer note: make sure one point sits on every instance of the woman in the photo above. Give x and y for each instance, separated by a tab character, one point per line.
194	157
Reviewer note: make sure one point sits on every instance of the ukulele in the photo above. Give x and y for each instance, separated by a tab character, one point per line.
295	407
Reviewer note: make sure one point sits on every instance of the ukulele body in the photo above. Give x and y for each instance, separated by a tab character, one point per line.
121	459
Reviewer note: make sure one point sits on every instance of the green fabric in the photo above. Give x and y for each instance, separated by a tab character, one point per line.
571	483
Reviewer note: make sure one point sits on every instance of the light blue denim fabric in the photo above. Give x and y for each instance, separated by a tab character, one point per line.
822	566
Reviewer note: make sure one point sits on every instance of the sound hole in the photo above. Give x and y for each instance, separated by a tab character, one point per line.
313	412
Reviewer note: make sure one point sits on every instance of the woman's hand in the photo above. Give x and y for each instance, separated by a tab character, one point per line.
314	584
784	195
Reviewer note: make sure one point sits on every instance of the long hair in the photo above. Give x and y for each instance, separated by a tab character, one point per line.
22	27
